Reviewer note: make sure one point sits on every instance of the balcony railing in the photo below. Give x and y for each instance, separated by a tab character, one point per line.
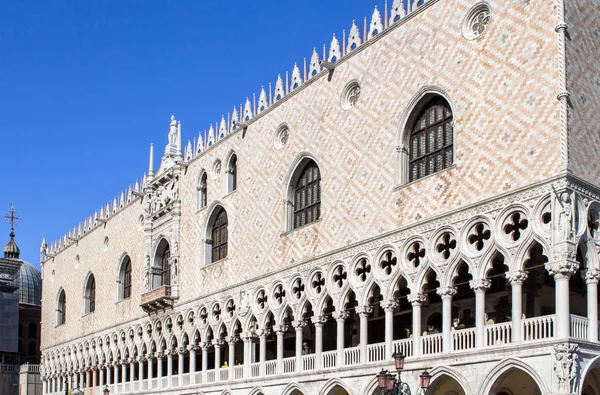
157	299
496	335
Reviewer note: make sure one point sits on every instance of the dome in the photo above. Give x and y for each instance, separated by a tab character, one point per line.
11	250
30	285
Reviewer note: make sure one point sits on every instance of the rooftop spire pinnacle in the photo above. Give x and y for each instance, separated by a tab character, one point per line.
11	250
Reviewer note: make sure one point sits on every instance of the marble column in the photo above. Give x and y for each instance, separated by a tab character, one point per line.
159	369
218	344
193	349
340	318
247	338
231	340
279	332
150	370
591	279
101	370
447	293
141	359
170	354
299	328
319	321
480	287
416	300
388	307
180	364
205	346
562	271
262	350
363	314
516	280
123	371
131	372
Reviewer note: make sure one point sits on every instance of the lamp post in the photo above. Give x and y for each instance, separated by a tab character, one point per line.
393	385
106	391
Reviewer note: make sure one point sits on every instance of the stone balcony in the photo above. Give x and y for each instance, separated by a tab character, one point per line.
157	299
536	333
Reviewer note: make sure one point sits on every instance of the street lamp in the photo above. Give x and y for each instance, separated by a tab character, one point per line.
389	384
106	391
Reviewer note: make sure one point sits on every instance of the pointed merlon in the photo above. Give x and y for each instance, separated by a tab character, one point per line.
376	26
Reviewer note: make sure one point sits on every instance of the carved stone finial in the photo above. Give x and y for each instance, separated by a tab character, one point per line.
335	52
376	26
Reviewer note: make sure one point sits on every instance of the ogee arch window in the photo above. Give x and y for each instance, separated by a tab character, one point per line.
90	295
61	308
125	278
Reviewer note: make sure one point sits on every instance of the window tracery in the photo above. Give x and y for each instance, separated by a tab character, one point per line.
90	295
431	140
307	195
219	236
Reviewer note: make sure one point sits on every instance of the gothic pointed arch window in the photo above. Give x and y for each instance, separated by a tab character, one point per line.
232	174
307	195
90	294
125	278
431	138
219	236
202	190
161	270
61	308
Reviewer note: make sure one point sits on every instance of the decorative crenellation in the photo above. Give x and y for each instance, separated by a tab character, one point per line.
245	113
301	74
127	196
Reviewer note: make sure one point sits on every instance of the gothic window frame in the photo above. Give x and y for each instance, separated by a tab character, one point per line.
61	307
295	184
231	174
413	113
202	189
217	209
161	268
90	294
125	270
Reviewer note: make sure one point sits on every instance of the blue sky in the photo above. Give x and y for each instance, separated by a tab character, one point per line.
88	85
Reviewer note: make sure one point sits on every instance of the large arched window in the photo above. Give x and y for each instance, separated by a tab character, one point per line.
307	195
231	174
90	294
61	308
219	236
202	190
125	278
165	268
431	139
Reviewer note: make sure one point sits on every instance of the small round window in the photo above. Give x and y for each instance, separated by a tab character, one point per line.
477	21
350	95
282	134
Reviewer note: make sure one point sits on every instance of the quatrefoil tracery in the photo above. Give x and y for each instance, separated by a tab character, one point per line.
298	288
388	261
261	299
515	225
416	253
479	236
339	276
279	294
446	245
318	283
363	268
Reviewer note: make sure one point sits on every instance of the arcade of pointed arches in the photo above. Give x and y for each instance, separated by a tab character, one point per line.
415	288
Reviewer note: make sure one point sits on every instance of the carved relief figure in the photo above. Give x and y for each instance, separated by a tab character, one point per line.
565	218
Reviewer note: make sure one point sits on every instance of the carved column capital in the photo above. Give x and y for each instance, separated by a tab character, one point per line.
193	347
446	292
562	269
299	325
218	343
160	355
232	339
480	285
263	332
340	316
389	305
517	277
364	310
181	350
592	276
318	320
205	345
416	299
280	329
